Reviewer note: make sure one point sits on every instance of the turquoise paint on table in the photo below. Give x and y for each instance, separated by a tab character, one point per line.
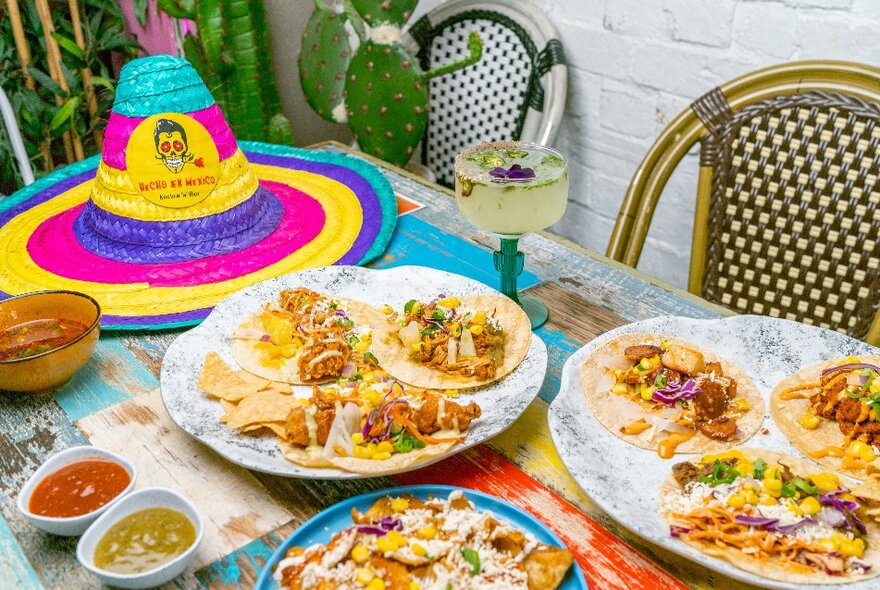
90	390
18	574
559	348
227	570
418	242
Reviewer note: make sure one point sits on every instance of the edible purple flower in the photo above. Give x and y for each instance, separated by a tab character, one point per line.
515	173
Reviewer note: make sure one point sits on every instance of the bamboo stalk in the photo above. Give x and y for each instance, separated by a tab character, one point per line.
86	73
72	146
24	53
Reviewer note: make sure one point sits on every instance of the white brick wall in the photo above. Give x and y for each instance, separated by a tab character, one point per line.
635	64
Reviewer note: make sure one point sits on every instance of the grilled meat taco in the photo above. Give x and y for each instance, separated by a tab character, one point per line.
406	542
453	342
774	516
831	412
663	393
373	428
306	337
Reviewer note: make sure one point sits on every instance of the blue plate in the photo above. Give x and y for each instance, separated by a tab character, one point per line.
321	527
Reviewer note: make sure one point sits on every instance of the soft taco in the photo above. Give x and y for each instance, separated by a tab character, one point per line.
662	393
305	337
373	427
831	412
774	516
453	342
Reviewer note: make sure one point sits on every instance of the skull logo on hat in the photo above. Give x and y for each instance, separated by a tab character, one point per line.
171	145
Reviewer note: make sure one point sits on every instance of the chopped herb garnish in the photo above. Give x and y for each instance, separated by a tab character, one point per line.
788	490
404	442
804	486
438	315
721	473
759	466
347	324
371	358
429	330
473	558
357	377
409	305
334	306
660	381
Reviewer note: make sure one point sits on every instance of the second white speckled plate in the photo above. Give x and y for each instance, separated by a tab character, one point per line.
501	403
624	480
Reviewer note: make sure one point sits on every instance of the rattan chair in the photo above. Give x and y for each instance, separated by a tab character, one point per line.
516	91
787	218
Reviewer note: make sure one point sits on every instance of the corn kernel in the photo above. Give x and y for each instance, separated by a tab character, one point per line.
476	329
825	481
852	360
829	544
809	421
741	403
399	504
854	548
452	392
751	497
655	361
361	452
665	345
418	550
427	532
767	500
373	396
360	554
376	584
736	501
357	438
384	447
619	389
381	456
415	308
416	346
773	484
364	575
479	318
647	392
861	450
449	302
385	544
386	309
793	507
396	538
810	505
455	330
414	586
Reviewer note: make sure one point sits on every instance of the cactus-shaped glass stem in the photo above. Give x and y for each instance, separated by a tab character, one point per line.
509	262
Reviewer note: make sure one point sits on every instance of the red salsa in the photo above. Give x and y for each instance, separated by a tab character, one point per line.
78	488
37	336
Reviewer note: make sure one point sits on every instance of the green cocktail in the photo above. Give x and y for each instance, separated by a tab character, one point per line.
510	189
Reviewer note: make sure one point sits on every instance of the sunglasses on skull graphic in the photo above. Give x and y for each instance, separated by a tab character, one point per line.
171	145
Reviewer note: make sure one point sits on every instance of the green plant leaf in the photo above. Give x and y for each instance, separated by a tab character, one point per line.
140	11
47	82
64	113
69	46
102	81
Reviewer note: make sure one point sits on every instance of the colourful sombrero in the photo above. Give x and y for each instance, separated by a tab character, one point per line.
175	214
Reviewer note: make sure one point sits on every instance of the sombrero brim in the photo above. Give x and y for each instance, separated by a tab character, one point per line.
331	209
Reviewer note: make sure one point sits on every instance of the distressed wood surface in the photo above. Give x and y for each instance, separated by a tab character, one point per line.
112	403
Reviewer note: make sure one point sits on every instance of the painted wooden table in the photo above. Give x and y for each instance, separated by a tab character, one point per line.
114	403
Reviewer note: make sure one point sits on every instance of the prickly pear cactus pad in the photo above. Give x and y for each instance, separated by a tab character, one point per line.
393	12
387	101
326	54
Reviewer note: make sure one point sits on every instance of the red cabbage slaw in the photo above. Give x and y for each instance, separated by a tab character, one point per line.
381	527
850	367
382	411
675	391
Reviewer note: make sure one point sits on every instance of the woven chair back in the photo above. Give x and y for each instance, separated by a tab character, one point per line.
787	218
491	100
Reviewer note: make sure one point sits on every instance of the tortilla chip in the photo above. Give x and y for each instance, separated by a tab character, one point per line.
395	359
228	409
596	385
787	413
547	566
261	407
670	489
218	379
284	388
249	356
276	427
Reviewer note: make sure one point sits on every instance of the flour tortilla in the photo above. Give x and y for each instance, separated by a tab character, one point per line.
768	569
787	412
606	406
395	359
248	355
370	467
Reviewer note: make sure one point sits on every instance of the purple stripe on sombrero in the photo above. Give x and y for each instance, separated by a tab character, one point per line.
46	194
372	210
232	222
182	318
140	253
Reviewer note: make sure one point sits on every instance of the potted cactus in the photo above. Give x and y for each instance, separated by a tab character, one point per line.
355	70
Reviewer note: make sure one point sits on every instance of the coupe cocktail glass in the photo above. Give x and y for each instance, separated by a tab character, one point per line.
511	189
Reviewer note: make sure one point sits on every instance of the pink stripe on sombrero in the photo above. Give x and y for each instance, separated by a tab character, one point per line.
120	128
54	247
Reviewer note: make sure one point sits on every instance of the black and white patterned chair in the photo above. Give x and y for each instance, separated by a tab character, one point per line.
516	91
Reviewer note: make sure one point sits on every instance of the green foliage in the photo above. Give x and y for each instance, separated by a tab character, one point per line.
377	12
232	53
41	120
322	72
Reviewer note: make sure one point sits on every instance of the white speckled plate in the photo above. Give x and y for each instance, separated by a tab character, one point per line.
501	403
624	480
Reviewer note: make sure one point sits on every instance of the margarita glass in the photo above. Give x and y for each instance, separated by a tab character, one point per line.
512	188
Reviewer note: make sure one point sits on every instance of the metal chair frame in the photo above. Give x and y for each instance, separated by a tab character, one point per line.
14	133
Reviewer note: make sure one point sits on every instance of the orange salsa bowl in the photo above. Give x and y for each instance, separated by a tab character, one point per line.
46	337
